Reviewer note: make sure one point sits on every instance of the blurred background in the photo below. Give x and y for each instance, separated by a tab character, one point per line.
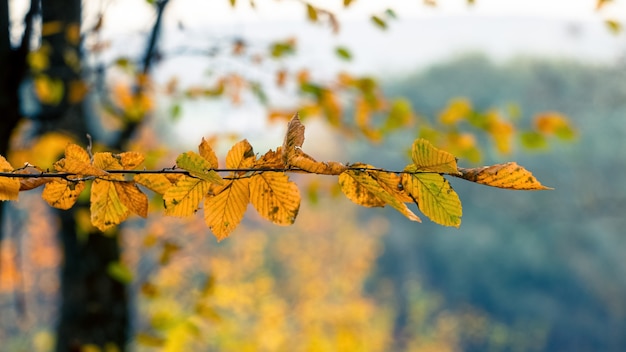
526	271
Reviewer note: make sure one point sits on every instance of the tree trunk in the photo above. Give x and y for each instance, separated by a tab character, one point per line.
94	307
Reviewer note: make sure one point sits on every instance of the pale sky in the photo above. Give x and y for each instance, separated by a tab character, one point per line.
124	15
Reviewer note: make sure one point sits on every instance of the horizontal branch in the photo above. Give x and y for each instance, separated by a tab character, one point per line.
68	176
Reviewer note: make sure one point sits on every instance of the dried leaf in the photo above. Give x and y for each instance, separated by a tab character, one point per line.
77	162
274	197
427	158
183	198
26	184
294	138
434	197
301	160
198	167
508	176
62	194
224	211
368	180
9	187
106	208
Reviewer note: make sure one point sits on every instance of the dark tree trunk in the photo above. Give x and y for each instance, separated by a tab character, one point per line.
94	307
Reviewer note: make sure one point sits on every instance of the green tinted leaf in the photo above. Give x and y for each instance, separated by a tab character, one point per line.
120	272
434	197
379	22
533	140
343	53
198	167
427	158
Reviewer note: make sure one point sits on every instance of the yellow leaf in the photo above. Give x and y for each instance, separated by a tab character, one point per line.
183	198
368	181
508	175
240	156
129	160
207	153
77	162
274	197
357	193
158	183
62	194
49	90
224	211
427	158
311	12
132	197
456	110
106	208
554	123
434	197
9	187
198	167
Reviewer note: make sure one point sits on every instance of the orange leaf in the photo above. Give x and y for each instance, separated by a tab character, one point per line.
132	197
207	153
367	185
77	162
270	160
240	156
274	197
107	210
224	211
9	187
508	175
62	194
183	198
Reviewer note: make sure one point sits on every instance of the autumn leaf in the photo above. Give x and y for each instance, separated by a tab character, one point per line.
366	186
207	153
158	183
198	167
183	198
427	158
224	211
123	161
274	197
77	162
508	175
293	156
9	187
106	208
62	194
434	196
240	156
135	200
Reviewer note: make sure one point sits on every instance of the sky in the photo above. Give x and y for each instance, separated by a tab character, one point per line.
421	35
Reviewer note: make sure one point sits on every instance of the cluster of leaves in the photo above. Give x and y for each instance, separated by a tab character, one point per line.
261	181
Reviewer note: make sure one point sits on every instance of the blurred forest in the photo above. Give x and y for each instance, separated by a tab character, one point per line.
527	271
